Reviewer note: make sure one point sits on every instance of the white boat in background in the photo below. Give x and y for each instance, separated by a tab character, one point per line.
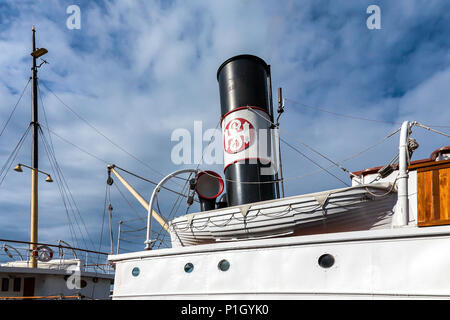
385	237
73	274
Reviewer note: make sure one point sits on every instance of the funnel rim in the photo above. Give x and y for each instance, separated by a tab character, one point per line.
242	56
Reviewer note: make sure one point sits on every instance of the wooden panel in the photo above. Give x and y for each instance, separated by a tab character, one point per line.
444	187
433	200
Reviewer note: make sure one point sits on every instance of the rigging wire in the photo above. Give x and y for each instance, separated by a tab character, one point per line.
61	191
134	230
102	134
292	147
304	155
431	129
7	166
51	150
150	181
14	108
103	160
129	204
61	181
69	195
74	145
351	116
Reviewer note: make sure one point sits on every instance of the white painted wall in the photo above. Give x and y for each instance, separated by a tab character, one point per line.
55	284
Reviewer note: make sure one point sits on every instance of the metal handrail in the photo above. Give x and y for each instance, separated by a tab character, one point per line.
148	240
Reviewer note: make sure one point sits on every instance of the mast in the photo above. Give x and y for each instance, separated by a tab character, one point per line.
36	53
35	159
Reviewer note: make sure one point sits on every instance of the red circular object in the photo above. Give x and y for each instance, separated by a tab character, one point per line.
218	178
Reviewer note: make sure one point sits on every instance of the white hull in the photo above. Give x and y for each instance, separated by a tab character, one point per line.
374	264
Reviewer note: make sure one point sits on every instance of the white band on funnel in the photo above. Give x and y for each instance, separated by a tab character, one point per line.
247	136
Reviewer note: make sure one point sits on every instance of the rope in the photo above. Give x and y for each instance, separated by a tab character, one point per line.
384	194
222	225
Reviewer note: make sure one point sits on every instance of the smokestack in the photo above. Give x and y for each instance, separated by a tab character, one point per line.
246	122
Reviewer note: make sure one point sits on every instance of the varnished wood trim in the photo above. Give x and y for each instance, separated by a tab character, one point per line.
430	165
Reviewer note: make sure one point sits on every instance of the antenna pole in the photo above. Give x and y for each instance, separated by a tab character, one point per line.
110	210
35	163
269	78
118	237
280	111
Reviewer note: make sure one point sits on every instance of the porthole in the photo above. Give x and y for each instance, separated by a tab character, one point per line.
223	265
326	261
83	284
188	267
135	272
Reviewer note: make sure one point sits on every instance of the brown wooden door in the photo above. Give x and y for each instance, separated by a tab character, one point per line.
28	287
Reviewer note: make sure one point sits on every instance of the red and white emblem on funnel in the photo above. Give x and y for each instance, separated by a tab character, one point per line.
238	135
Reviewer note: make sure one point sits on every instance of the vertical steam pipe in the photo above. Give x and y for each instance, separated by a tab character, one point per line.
401	214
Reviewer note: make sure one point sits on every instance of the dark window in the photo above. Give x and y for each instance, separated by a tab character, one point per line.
17	284
5	284
326	261
223	265
189	267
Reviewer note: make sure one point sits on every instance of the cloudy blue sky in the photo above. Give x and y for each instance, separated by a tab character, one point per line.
138	70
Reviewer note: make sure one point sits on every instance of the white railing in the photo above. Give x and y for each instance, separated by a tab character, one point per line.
57	257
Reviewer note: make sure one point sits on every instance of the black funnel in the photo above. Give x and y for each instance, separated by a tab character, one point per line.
246	115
